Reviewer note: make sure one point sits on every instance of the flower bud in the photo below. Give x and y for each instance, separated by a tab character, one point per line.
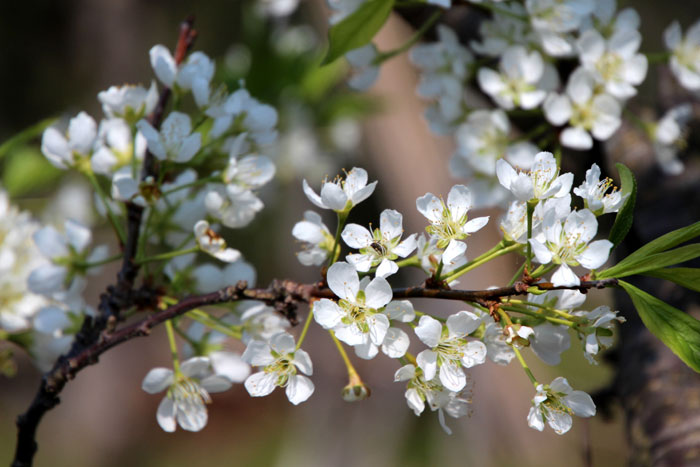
356	392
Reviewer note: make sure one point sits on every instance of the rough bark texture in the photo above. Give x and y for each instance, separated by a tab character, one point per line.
659	394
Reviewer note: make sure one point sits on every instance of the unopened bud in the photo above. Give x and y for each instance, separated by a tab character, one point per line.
356	390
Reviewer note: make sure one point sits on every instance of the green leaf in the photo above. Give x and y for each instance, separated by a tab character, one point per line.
623	220
647	263
24	136
26	171
685	277
662	243
678	330
358	28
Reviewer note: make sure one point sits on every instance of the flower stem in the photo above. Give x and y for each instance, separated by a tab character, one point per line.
383	56
542	270
307	324
173	347
495	252
530	210
169	255
525	311
88	265
352	372
523	363
213	323
543	307
517	274
118	228
335	252
506	318
201	181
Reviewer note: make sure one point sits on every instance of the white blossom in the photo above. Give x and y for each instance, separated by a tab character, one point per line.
163	64
342	195
18	257
62	278
483	139
614	62
445	68
685	58
520	81
540	183
503	31
449	222
514	223
130	102
567	244
600	196
66	149
495	340
357	318
555	403
449	349
584	110
364	69
235	207
419	390
259	321
380	247
213	244
280	361
555	20
127	188
195	75
249	172
317	240
175	140
549	341
187	393
209	277
669	136
430	255
255	121
599	332
115	146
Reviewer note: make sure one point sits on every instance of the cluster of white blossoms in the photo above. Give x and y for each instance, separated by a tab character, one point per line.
19	256
213	161
366	316
585	104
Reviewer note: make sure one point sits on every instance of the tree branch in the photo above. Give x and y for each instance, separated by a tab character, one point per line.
283	295
116	298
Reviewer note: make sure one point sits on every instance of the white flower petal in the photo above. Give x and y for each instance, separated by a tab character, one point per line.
157	380
299	389
429	331
260	384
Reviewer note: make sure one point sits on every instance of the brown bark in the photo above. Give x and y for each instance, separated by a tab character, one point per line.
659	394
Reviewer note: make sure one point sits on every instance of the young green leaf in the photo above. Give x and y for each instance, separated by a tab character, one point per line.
678	330
623	220
685	277
358	28
662	243
24	136
640	265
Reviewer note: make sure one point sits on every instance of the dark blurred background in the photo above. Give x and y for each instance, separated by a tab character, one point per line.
56	57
